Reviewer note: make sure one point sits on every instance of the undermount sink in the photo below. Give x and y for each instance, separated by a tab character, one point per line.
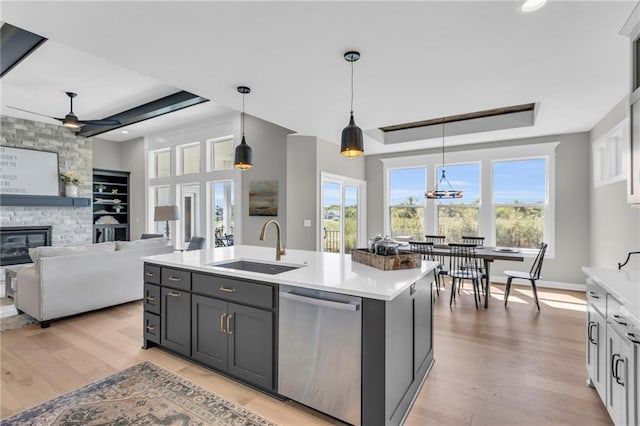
254	266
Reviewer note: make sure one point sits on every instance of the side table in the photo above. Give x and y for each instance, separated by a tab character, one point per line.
10	278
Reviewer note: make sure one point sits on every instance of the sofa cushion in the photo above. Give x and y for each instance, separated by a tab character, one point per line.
136	244
48	251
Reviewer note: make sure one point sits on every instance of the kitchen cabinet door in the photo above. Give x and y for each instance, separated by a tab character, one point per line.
616	378
250	339
422	323
208	331
596	350
176	320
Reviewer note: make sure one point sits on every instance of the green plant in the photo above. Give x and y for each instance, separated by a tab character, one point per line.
70	178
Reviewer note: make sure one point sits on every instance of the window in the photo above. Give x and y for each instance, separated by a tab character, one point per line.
223	212
609	157
222	154
160	196
406	202
519	194
190	212
161	163
458	217
189	159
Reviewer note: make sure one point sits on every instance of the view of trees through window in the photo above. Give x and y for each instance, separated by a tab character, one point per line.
519	189
519	196
331	216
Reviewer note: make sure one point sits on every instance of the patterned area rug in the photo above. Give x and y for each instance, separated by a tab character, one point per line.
10	318
144	394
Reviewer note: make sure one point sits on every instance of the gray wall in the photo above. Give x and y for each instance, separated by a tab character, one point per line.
307	158
614	226
571	209
269	144
106	154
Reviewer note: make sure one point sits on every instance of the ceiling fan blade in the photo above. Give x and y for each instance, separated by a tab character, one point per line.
36	113
100	122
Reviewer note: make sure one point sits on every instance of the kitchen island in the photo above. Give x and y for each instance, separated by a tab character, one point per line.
346	339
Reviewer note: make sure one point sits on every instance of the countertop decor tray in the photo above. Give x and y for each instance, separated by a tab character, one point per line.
404	260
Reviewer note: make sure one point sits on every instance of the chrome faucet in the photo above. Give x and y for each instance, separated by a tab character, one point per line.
279	246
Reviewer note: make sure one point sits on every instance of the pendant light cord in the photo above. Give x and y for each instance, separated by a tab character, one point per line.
243	115
352	87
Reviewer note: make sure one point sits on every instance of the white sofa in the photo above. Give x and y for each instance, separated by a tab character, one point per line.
70	280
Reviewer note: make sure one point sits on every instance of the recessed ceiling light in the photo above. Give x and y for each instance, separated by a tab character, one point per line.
124	132
532	5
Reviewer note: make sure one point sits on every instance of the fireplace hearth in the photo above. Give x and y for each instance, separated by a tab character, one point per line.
15	242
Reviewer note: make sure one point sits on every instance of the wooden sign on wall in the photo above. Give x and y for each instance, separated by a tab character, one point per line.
28	172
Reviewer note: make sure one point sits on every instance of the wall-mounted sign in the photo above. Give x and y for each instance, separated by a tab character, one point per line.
28	172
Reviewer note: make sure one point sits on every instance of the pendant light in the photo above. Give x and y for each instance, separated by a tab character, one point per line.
243	158
352	145
439	193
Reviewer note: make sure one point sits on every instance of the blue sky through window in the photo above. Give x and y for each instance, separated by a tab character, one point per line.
520	180
465	177
405	183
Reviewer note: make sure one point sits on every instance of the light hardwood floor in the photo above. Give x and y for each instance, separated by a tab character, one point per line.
499	366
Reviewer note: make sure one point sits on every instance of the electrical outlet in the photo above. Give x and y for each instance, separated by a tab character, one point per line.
307	223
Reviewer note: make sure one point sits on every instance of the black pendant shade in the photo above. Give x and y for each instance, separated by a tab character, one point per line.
352	144
243	158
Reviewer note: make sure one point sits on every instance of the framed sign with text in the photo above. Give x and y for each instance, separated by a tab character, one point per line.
28	172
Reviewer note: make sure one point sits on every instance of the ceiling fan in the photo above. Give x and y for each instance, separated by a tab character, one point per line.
71	120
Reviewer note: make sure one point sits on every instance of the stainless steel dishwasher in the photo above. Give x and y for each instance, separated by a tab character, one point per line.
319	351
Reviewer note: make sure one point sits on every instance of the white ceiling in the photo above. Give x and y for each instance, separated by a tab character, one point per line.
420	60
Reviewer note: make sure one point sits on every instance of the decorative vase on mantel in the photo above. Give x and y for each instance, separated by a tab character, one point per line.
71	190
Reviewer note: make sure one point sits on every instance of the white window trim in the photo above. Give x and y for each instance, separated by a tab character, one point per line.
179	169
620	133
486	218
209	151
153	169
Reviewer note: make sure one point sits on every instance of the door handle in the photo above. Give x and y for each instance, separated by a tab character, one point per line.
632	337
620	320
228	325
589	330
151	299
222	323
228	290
613	366
150	274
343	306
617	376
151	328
594	295
174	294
174	279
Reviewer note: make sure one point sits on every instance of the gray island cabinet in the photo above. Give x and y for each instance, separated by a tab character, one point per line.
228	320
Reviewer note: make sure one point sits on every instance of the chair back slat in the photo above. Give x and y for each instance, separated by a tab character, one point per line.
478	241
463	260
440	258
536	267
423	247
436	239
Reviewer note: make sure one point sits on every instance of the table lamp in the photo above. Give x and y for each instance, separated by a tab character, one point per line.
166	213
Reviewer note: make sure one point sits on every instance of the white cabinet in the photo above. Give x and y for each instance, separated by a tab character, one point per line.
596	350
617	378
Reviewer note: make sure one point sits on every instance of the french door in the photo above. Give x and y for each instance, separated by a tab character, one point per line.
342	215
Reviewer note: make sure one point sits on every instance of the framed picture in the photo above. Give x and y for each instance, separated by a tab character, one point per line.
263	198
28	172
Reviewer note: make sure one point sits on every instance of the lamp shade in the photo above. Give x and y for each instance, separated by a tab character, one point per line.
352	145
243	159
163	213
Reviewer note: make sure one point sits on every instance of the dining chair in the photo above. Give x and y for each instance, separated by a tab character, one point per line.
426	249
478	241
464	264
533	275
440	258
148	236
229	239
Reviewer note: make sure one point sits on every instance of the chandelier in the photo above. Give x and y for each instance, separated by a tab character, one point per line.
438	193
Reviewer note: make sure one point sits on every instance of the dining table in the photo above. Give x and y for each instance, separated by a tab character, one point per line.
488	255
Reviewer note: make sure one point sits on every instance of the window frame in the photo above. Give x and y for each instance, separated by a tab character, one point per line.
387	200
210	164
485	156
616	140
180	158
153	159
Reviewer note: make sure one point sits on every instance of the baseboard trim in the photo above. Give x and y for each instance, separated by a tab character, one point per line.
542	283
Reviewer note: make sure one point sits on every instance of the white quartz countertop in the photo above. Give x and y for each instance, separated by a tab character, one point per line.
320	271
623	284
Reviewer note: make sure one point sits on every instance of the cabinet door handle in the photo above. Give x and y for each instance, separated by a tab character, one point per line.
174	279
594	295
150	274
228	325
174	294
151	298
620	320
589	330
613	366
228	290
617	376
222	323
151	328
632	337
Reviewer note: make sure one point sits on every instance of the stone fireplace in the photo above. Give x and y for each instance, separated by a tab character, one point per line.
15	242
